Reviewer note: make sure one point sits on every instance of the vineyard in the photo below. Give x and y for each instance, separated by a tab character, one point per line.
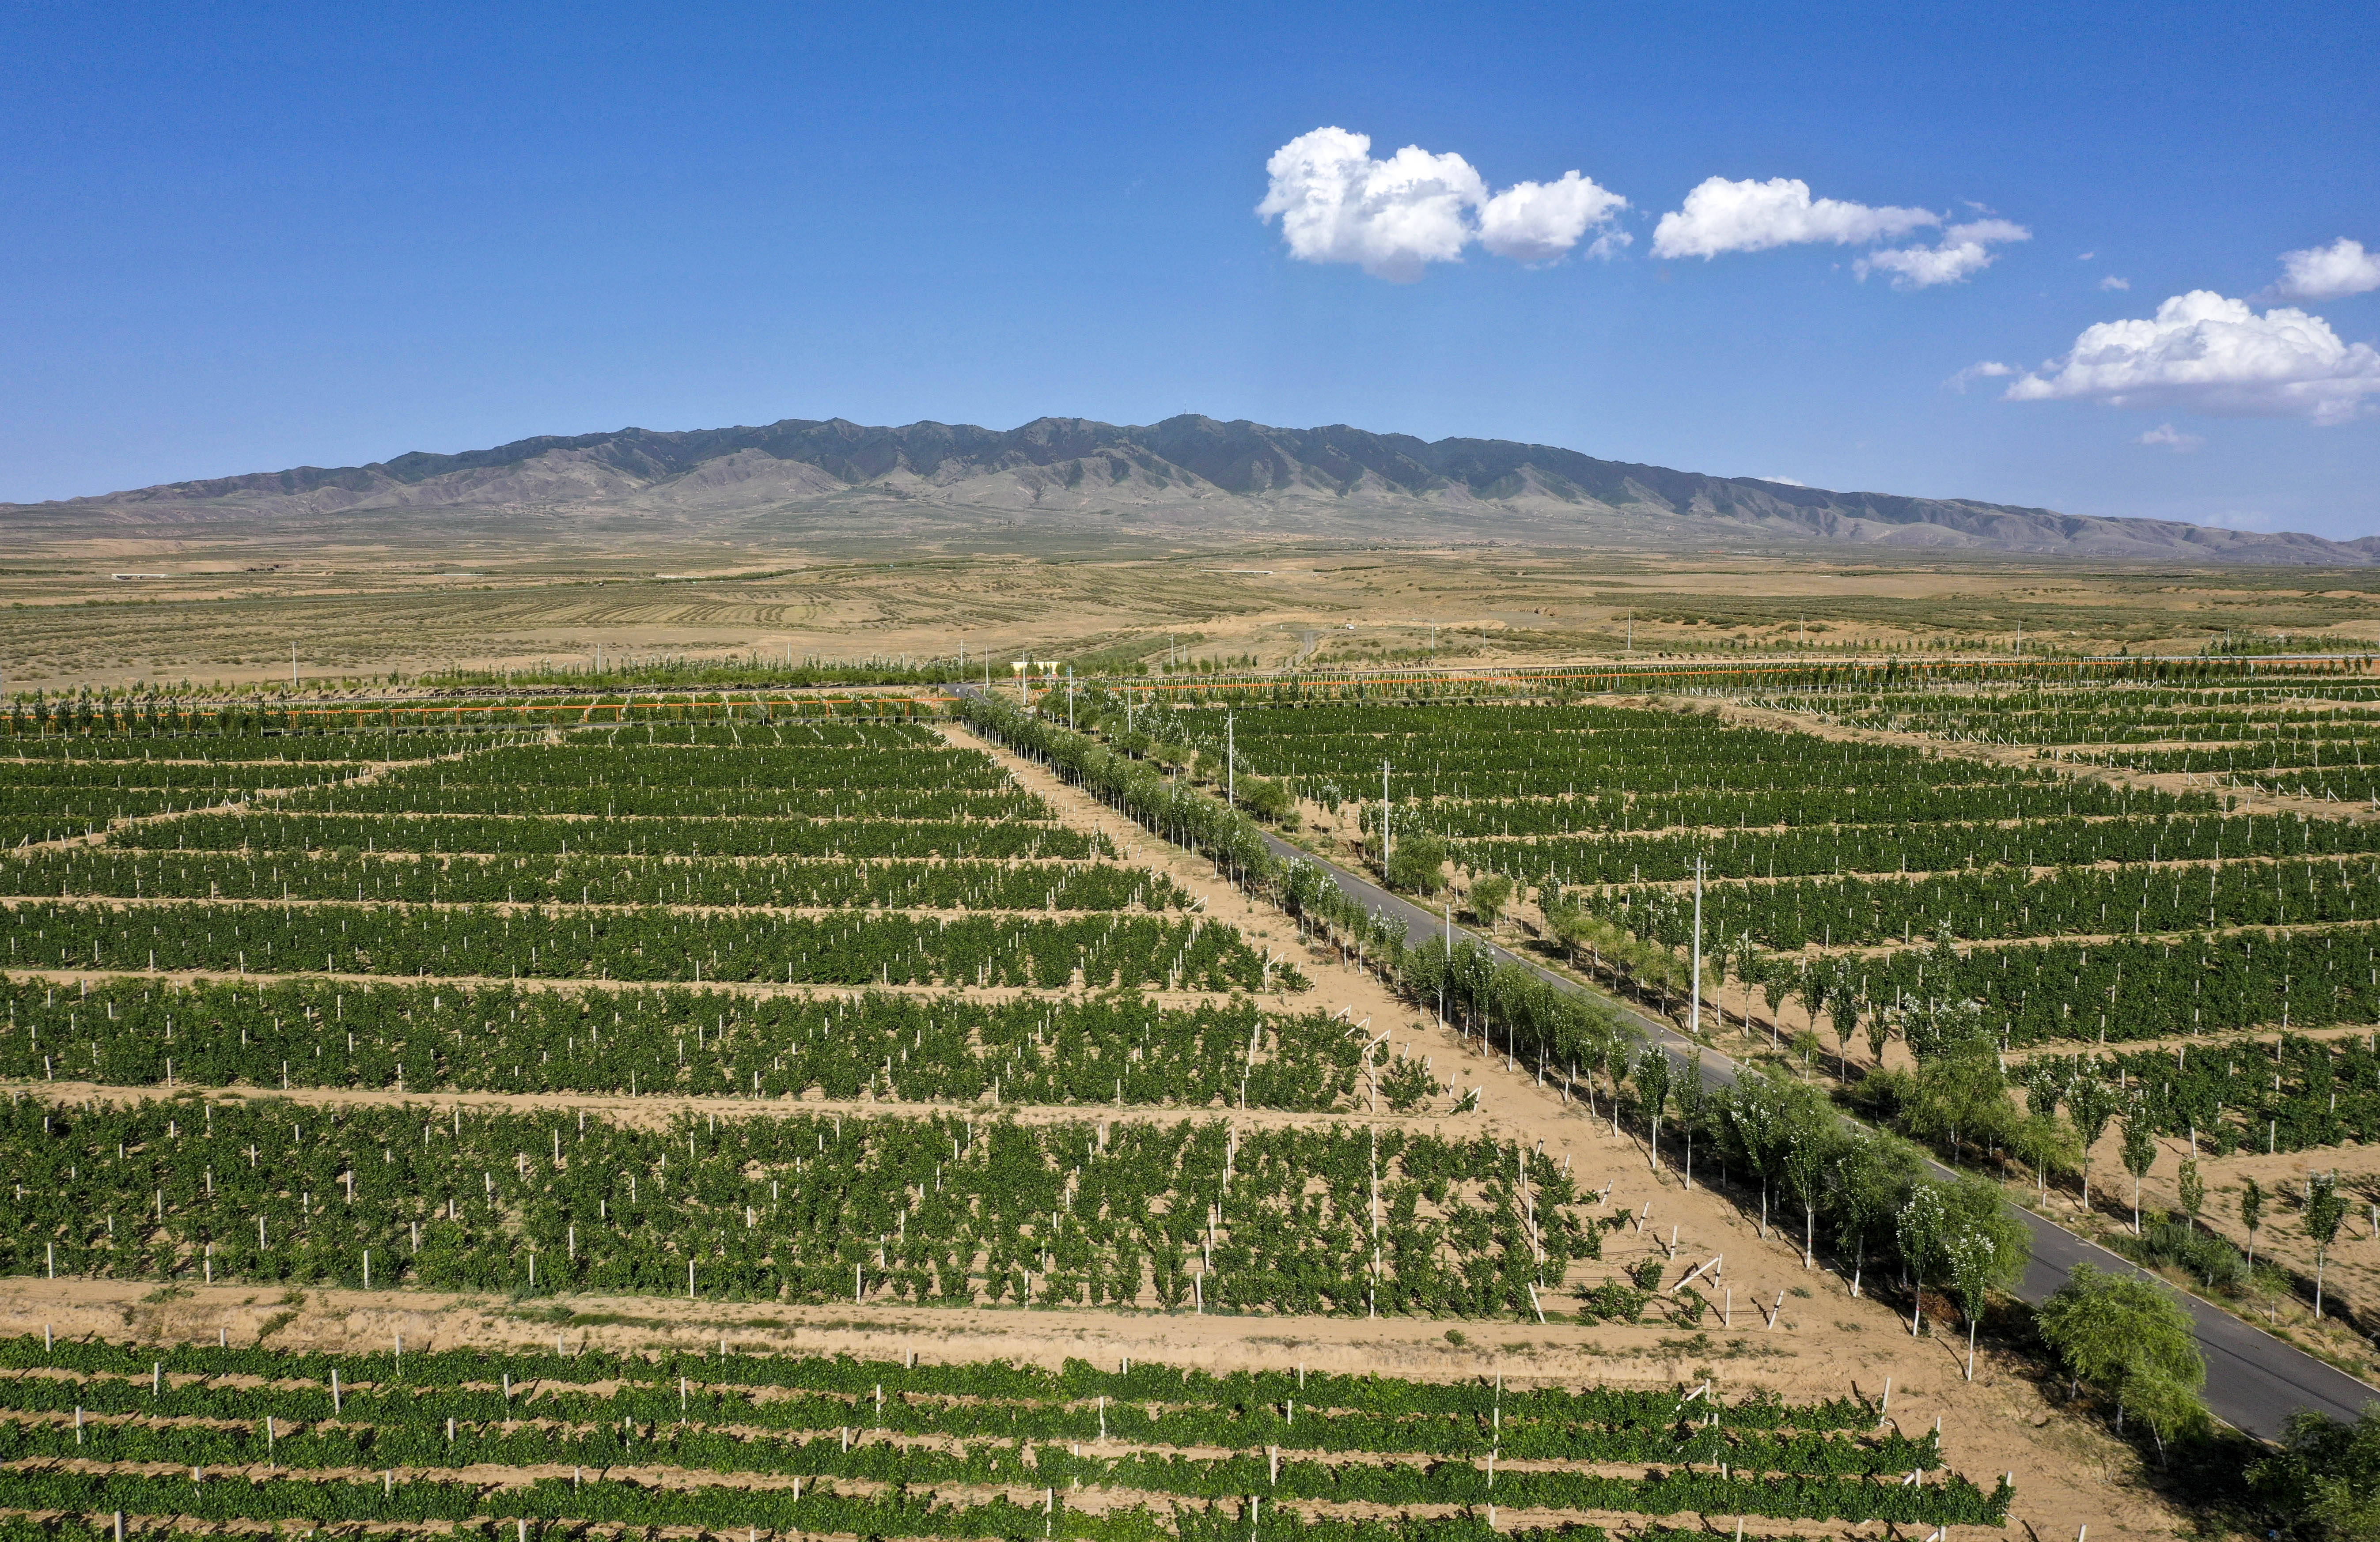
90	1429
1973	897
736	1009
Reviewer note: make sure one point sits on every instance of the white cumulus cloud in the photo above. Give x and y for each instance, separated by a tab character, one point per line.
2328	272
1747	216
1963	249
2206	353
1394	217
1536	222
2112	282
1336	204
2165	436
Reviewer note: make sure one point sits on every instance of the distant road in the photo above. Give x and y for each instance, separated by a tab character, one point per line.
2253	1380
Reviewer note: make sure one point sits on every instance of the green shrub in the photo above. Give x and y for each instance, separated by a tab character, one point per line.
1613	1302
2217	1264
2324	1485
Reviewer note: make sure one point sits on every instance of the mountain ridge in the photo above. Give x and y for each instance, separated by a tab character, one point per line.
1187	478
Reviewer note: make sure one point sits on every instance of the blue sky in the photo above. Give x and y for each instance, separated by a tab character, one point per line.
243	238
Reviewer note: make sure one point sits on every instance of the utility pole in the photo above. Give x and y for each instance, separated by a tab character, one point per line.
293	666
1384	817
1695	1012
1230	764
1070	698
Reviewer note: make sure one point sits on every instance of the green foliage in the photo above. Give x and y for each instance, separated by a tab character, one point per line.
947	1210
919	1428
452	876
687	1042
2140	1155
2130	1340
2324	1209
644	943
1612	1302
1269	800
2323	1486
2217	1264
2191	1190
1417	862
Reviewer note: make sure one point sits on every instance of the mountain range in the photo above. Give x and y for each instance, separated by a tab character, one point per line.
1188	481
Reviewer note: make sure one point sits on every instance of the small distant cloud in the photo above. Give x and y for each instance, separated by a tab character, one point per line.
2112	282
1963	250
2165	436
1989	369
1782	481
2241	519
2085	257
2329	272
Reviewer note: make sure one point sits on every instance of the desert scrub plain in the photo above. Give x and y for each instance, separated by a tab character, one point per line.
189	610
699	1113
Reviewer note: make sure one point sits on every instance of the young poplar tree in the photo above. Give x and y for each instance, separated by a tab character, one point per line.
2091	1104
1918	1229
1653	1091
1969	1256
2140	1155
1846	1015
2324	1209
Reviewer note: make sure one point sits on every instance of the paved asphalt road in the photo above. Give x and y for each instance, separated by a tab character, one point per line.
2253	1380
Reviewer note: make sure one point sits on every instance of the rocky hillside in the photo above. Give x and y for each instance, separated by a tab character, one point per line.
1187	480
